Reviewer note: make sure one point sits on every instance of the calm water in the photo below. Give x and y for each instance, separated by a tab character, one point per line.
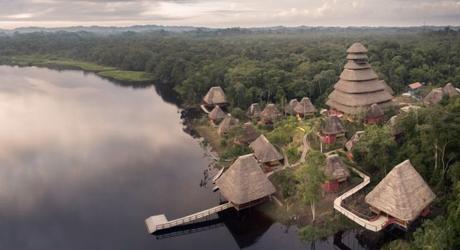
84	161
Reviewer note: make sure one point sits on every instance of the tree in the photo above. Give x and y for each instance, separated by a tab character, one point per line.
310	177
374	150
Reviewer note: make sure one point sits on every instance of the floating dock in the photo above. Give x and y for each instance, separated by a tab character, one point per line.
160	222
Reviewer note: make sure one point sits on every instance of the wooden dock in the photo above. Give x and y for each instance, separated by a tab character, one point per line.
160	222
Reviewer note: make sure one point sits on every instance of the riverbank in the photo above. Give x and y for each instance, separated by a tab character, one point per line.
66	63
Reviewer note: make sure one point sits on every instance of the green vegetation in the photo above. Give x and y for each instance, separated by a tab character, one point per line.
124	75
310	177
276	66
104	71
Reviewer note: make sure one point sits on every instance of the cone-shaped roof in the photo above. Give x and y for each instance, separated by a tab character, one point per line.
304	106
332	125
215	96
335	169
289	109
249	134
450	90
402	194
216	114
228	123
357	48
244	181
358	86
434	97
374	111
270	112
264	151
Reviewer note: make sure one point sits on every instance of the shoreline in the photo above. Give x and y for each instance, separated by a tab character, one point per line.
61	63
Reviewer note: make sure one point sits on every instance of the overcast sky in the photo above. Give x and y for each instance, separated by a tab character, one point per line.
229	13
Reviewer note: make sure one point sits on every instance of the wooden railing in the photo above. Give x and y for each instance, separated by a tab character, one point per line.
193	217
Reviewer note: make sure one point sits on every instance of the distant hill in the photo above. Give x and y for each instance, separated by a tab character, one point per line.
181	29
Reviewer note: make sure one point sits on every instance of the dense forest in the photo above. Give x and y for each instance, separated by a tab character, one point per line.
257	66
254	66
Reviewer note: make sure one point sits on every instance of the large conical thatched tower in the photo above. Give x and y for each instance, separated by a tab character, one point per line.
358	86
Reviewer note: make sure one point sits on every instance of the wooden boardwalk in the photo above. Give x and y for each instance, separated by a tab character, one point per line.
160	222
373	225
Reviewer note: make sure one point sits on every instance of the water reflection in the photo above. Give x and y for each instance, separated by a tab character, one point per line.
85	161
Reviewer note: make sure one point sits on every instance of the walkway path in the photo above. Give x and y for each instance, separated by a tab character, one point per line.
160	222
374	225
306	148
205	109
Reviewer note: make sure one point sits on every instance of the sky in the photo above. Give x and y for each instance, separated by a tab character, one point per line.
228	13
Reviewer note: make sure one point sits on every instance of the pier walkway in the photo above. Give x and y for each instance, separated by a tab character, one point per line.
374	225
160	222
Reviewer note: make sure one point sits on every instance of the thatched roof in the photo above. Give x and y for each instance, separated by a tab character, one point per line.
353	140
289	109
402	194
450	90
254	110
228	123
332	125
434	97
249	134
335	169
264	151
215	96
304	106
387	87
244	181
357	48
358	86
216	114
374	111
358	75
270	112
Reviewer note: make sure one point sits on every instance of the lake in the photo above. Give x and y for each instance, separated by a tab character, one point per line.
84	161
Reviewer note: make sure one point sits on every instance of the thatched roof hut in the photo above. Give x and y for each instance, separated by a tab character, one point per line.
374	114
249	134
332	125
270	113
353	140
403	193
358	86
228	123
244	182
264	151
254	110
289	109
335	169
434	97
304	107
450	90
217	114
215	96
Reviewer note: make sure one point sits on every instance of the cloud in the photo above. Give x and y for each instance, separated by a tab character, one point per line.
229	13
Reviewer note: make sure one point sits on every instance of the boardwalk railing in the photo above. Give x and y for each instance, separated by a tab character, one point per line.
159	222
374	225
